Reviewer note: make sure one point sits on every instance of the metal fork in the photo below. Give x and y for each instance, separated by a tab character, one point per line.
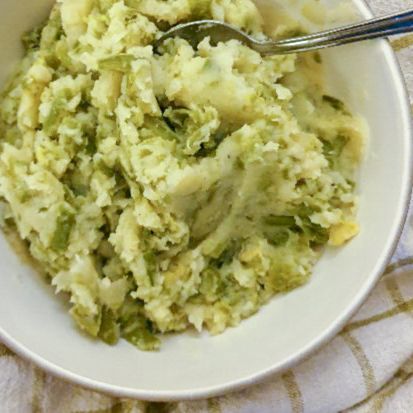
217	31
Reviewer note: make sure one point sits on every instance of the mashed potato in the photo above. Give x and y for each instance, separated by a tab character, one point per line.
164	191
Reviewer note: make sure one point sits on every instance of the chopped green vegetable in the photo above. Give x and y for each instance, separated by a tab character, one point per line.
317	57
51	123
227	255
277	229
64	226
120	63
212	285
283	221
151	266
333	149
90	323
177	117
318	235
158	127
277	236
109	329
304	210
200	8
31	39
283	278
52	32
137	331
335	103
91	145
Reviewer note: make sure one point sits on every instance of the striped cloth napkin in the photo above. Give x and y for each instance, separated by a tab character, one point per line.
368	367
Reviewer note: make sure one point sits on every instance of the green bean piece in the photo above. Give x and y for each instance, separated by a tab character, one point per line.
109	329
64	225
137	330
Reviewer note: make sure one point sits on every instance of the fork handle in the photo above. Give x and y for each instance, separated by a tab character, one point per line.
398	23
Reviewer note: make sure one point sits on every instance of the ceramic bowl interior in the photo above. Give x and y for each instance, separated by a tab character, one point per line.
34	322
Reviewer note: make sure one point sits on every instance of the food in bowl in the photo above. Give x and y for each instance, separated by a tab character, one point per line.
172	190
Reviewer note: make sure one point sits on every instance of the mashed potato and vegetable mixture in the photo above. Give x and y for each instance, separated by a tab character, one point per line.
172	189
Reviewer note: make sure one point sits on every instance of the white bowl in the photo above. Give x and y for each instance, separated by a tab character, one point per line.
34	323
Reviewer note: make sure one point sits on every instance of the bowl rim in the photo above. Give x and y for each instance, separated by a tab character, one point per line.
323	338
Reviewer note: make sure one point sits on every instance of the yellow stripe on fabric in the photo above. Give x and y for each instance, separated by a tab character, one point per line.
400	378
4	351
294	392
37	390
159	407
113	409
399	264
374	403
124	406
395	293
402	43
214	406
118	407
129	406
398	309
363	361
